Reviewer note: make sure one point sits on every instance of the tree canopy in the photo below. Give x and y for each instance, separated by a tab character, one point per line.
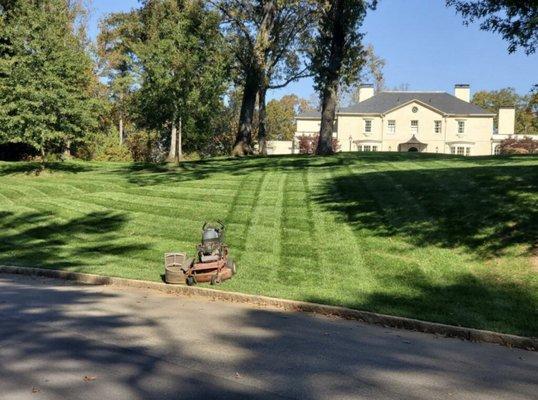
266	38
184	67
516	21
118	62
526	107
281	116
46	76
337	57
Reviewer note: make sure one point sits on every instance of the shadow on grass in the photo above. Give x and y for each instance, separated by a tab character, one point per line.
34	168
42	240
485	209
155	174
463	300
151	174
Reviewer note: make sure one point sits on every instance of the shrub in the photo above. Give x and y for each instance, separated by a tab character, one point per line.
525	145
103	146
308	144
146	146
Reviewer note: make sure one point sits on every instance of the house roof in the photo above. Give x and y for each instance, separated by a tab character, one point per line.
384	102
387	101
310	114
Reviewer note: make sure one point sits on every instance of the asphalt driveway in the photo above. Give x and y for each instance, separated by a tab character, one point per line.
64	341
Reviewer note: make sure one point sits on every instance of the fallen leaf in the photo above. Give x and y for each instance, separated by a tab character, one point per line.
35	390
89	378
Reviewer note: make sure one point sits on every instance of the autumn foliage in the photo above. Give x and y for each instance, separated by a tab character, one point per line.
525	145
308	144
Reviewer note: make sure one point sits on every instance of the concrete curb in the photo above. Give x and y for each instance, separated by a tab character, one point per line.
475	335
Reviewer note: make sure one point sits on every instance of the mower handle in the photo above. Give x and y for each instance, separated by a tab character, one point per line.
222	227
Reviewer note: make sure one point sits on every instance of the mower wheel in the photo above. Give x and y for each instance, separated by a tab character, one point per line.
232	265
191	281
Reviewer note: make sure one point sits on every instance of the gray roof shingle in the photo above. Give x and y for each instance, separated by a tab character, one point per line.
386	101
310	114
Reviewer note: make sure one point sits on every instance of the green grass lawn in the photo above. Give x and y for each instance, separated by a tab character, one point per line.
438	238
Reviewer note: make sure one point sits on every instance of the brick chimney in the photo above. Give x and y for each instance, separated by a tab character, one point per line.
463	92
366	90
507	121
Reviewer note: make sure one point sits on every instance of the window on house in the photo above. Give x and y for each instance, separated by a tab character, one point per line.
437	128
390	148
461	126
497	150
414	127
374	148
359	148
367	125
467	151
437	149
452	150
460	150
392	126
367	148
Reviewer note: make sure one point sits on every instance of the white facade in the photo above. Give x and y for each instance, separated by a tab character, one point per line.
432	122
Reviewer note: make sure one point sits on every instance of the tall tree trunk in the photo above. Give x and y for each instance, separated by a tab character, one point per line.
328	112
243	140
330	89
254	80
173	142
262	115
179	152
121	129
67	149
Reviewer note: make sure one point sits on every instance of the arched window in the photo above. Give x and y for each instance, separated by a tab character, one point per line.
497	150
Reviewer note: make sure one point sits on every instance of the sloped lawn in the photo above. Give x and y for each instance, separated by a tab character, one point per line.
438	238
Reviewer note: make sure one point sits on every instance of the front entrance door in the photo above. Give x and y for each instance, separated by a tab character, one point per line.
412	149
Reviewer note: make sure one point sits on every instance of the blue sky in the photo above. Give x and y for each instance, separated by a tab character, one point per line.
425	46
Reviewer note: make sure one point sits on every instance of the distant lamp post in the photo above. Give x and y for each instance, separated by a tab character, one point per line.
350	141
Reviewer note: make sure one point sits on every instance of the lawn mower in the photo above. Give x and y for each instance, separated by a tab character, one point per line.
211	263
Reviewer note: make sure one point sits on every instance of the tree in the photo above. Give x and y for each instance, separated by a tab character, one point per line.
184	68
118	61
516	21
46	76
266	39
526	117
281	116
373	72
525	145
338	56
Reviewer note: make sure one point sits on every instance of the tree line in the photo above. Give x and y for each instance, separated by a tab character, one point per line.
176	76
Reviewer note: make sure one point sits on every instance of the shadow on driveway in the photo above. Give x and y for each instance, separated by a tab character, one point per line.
65	341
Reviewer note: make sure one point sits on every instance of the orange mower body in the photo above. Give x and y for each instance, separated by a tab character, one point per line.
212	263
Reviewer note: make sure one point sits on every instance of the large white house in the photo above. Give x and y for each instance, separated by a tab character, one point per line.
433	122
